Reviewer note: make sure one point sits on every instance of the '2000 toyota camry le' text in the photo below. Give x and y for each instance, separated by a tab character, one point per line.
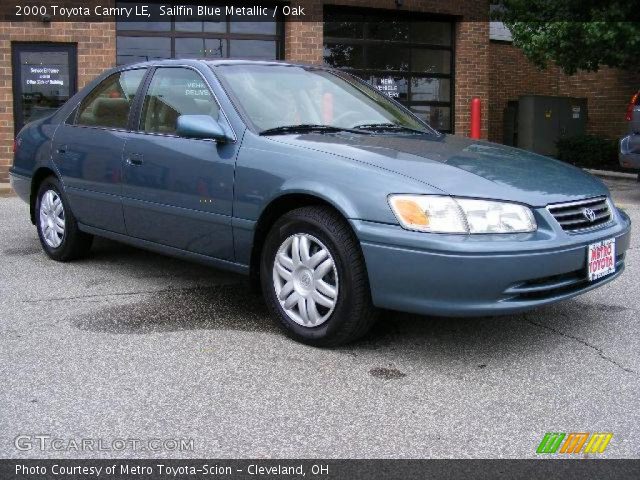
334	198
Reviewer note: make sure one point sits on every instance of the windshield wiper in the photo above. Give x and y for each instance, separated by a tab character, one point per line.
304	128
387	127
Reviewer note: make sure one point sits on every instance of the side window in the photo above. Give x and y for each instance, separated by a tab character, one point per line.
174	92
109	103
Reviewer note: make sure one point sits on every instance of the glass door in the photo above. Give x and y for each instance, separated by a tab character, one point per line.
44	77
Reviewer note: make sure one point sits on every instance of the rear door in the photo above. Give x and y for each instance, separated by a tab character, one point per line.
87	150
179	191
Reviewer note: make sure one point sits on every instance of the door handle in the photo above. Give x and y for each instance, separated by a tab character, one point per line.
62	149
135	159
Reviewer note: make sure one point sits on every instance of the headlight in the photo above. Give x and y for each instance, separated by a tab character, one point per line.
441	214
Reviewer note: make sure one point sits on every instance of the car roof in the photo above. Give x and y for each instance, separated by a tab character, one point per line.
215	63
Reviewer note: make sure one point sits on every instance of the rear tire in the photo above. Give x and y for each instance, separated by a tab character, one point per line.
314	278
57	227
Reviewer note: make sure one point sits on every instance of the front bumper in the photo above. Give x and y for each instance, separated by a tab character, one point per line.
459	275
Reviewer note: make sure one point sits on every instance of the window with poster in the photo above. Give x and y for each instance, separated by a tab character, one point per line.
407	56
44	79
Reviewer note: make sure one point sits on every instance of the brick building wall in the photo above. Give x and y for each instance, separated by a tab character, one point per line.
493	71
96	44
607	91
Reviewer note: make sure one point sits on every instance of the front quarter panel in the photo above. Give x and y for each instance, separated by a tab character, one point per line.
267	169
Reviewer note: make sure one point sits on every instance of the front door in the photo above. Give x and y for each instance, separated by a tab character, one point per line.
179	191
44	78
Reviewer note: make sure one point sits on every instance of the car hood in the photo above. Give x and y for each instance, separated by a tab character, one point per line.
461	166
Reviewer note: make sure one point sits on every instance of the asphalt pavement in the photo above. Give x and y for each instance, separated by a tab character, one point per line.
130	345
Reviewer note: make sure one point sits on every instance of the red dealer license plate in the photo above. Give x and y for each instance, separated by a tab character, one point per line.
601	259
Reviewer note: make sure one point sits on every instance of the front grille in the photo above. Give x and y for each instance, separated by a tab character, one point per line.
571	216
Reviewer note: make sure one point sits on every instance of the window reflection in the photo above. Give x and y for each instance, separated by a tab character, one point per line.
431	61
262	27
339	55
387	57
438	117
253	49
389	30
215	48
406	56
208	37
142	49
431	89
434	33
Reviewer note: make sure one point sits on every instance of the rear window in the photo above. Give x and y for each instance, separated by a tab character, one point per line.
109	103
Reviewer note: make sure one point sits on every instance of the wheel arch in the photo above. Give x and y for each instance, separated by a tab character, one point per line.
274	210
38	176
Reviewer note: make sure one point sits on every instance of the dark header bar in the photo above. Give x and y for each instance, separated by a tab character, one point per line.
160	469
153	11
267	10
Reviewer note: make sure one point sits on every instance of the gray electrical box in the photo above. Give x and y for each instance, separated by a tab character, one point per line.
543	120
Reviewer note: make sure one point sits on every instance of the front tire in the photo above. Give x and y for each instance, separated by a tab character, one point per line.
314	278
57	227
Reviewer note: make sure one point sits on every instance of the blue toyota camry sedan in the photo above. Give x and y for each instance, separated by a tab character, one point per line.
334	199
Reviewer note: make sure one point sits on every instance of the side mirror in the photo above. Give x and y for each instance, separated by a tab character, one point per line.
200	126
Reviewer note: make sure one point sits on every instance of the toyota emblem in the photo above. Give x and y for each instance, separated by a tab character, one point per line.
589	214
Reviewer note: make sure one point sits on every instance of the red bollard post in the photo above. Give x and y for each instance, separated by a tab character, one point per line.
476	117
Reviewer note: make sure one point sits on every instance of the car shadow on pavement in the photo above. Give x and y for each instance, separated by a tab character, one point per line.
217	307
232	306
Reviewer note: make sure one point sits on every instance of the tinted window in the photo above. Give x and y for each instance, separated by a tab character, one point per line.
195	34
254	49
142	49
109	103
238	25
200	48
438	117
435	33
209	24
174	92
343	25
340	55
431	89
431	61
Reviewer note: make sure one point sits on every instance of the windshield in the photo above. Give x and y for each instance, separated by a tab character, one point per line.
275	96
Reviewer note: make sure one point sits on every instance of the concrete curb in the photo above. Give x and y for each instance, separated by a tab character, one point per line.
610	174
